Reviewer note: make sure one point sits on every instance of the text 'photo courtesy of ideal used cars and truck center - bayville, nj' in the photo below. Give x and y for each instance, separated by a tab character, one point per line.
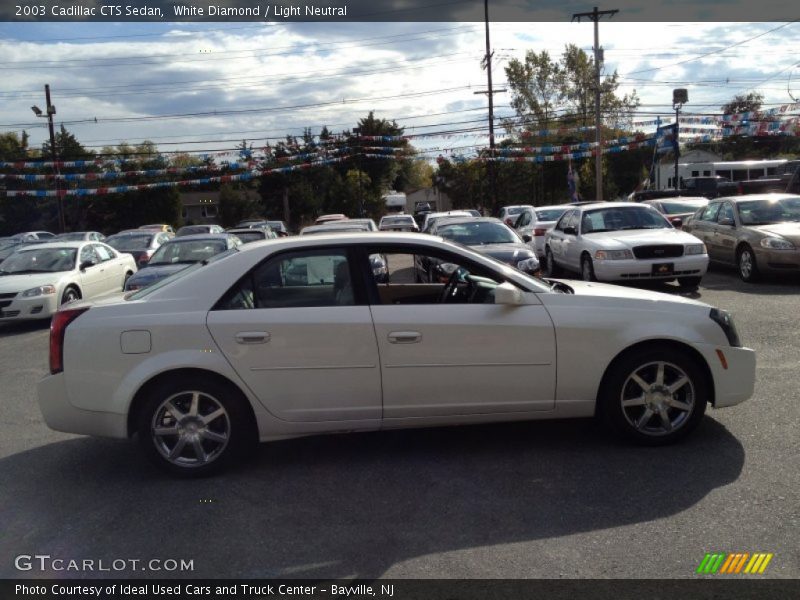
446	300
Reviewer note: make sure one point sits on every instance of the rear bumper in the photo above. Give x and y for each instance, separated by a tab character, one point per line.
734	384
60	415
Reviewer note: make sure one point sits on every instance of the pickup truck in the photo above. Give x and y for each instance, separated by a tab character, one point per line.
786	180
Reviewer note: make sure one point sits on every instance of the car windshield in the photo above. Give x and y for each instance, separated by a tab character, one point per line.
76	236
622	218
276	225
683	206
194	229
476	234
549	214
146	291
515	210
134	241
769	211
251	235
396	221
39	260
312	230
190	251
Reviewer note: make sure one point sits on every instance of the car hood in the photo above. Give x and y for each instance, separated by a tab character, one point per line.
20	283
640	237
154	273
620	293
788	231
505	252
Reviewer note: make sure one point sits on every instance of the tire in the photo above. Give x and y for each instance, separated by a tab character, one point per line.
206	446
70	295
746	264
550	263
689	283
587	269
641	414
128	275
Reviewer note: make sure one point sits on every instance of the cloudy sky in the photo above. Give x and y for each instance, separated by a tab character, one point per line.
217	83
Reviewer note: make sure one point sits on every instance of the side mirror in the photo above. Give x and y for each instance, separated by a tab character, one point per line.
727	221
86	264
677	222
526	238
570	231
507	294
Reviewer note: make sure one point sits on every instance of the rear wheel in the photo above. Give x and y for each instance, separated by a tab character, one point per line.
195	426
746	261
587	268
550	262
655	397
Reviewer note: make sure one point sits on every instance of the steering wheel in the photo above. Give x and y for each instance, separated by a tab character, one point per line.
450	288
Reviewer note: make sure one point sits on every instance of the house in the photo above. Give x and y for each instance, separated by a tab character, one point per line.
199	207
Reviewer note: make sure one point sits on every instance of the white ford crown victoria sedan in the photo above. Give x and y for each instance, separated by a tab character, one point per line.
623	241
293	337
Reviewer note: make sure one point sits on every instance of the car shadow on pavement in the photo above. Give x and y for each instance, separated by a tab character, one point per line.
13	328
344	506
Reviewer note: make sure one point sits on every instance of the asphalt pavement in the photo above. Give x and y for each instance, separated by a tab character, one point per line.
525	500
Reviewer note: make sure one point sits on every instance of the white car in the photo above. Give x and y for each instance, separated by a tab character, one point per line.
398	223
536	222
431	218
510	214
37	279
622	241
257	345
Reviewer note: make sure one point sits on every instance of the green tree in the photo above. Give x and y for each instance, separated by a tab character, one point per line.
537	87
740	103
236	205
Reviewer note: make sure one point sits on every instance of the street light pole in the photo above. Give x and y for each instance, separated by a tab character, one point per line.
680	97
51	110
595	16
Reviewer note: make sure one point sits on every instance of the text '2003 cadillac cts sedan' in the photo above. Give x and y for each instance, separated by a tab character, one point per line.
295	337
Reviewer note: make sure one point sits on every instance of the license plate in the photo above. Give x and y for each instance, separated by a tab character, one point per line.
663	268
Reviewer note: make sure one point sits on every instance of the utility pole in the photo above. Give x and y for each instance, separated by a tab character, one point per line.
595	16
51	110
487	64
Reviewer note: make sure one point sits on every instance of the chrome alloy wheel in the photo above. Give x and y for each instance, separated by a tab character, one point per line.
190	429
658	398
746	264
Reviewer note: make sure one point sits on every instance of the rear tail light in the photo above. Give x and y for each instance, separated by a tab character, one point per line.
539	232
144	257
58	327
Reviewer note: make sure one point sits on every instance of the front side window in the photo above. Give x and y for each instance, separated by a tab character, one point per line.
89	255
726	212
709	213
292	280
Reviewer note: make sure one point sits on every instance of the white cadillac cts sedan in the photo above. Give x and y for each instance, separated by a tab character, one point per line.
624	241
37	279
294	337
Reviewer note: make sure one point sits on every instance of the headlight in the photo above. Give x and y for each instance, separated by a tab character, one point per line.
613	254
695	249
42	290
529	265
724	319
776	243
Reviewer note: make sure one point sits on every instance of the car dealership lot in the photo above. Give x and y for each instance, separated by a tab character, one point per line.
539	499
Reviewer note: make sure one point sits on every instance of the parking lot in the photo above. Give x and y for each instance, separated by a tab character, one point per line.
544	500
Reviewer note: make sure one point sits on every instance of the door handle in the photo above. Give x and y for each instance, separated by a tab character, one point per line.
252	337
404	337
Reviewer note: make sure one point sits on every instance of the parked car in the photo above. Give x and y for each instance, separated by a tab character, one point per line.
159	227
397	355
81	236
678	209
279	227
759	233
534	223
178	253
251	223
369	223
335	227
140	243
199	229
398	223
623	241
29	236
486	235
509	214
39	278
252	234
328	218
430	218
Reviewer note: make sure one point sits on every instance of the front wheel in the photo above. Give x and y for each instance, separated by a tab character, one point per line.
748	268
655	397
194	427
587	269
70	294
550	262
